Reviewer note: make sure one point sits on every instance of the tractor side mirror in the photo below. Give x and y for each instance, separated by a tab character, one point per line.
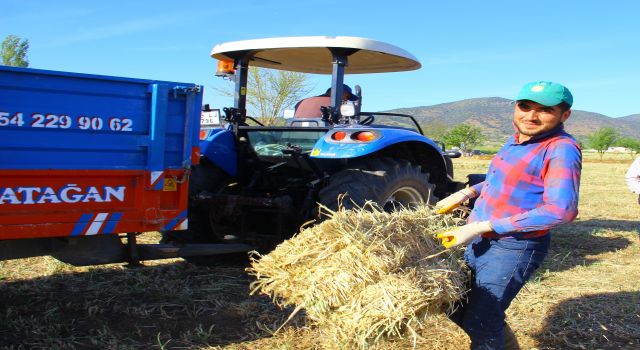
452	154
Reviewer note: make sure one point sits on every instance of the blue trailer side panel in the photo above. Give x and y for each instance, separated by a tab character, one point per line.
85	154
58	120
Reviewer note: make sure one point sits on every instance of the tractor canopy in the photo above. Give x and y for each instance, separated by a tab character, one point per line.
335	55
314	54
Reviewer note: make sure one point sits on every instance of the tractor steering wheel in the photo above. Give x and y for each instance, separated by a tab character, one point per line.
368	120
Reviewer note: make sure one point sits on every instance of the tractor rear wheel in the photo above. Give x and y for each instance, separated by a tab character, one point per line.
390	183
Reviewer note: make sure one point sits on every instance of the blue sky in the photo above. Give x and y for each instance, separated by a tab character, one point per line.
467	48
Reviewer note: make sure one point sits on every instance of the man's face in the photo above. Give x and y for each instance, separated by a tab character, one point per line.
531	118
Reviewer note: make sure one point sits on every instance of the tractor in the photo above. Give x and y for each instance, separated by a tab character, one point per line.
255	185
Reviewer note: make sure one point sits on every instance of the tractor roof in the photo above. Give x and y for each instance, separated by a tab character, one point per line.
311	54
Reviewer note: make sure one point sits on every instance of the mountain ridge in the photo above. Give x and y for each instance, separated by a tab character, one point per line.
494	116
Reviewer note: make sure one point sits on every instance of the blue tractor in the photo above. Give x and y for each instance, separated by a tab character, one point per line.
256	184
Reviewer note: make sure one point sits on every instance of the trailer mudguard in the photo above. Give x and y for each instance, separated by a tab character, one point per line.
88	155
220	148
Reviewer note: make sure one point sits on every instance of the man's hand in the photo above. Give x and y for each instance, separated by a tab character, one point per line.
462	235
453	201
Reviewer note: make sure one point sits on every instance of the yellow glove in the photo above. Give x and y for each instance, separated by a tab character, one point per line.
462	235
453	201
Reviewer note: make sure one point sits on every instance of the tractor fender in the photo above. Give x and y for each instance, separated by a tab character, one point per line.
396	143
349	147
220	148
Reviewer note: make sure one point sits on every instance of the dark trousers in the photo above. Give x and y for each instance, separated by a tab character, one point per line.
500	268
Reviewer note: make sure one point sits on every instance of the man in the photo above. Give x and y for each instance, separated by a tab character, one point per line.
310	107
632	178
531	186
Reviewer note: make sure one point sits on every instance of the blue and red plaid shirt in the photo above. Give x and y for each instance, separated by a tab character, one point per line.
530	186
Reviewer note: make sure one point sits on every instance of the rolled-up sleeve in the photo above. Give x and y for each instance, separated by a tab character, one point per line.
477	187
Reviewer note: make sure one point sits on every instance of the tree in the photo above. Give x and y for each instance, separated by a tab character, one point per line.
270	92
465	137
434	130
629	143
602	139
14	51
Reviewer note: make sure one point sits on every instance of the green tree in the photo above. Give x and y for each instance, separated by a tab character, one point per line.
465	137
630	143
435	130
14	51
271	91
602	139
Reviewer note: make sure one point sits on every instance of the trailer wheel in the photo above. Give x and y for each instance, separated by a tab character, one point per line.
390	183
204	226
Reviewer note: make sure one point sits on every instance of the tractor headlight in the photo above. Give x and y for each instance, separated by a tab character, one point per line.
348	110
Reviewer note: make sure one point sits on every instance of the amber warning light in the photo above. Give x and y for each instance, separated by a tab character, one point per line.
225	69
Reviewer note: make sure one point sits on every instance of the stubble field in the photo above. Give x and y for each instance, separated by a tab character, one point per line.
585	296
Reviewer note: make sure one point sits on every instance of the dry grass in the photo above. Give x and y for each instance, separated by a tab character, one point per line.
585	296
365	275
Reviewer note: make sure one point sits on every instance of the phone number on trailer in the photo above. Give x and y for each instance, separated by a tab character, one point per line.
62	121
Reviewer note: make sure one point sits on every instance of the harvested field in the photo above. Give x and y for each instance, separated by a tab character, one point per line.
585	296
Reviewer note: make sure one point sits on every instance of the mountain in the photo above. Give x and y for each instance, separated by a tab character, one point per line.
634	118
494	116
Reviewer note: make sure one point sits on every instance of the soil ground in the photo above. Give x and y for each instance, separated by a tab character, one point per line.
585	296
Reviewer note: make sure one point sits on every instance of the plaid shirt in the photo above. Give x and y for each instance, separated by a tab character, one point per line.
530	186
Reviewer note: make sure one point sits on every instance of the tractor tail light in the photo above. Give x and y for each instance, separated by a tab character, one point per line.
339	135
364	136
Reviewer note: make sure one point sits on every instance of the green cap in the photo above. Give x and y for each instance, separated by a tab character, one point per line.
546	93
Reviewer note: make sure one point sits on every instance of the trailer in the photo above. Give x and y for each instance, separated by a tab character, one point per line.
85	158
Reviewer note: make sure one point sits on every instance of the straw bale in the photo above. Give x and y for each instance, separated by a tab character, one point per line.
364	275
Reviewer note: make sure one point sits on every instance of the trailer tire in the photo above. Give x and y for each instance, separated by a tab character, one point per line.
390	183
